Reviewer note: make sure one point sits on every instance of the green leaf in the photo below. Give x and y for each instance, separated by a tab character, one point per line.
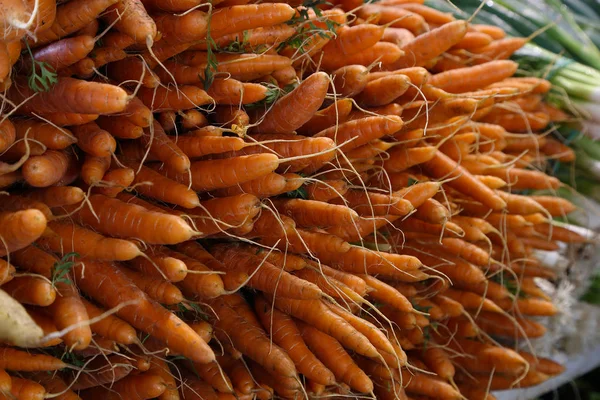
42	76
299	193
62	268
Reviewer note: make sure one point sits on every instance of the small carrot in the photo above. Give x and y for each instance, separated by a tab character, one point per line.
164	99
432	44
264	274
349	80
316	314
110	327
400	17
133	386
368	129
382	91
112	213
47	169
26	389
286	334
329	350
50	136
157	289
156	186
115	288
94	168
424	384
302	102
19	229
503	325
31	290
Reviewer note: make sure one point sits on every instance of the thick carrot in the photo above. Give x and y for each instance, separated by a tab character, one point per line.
355	133
164	99
316	314
94	141
133	386
314	213
25	389
286	334
19	229
110	327
94	168
215	174
70	18
47	169
424	384
233	92
130	17
157	289
265	276
382	91
65	52
296	108
333	355
31	290
247	338
115	288
349	80
266	186
50	136
164	189
71	95
432	44
473	78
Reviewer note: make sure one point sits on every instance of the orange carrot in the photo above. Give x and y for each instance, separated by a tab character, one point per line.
25	389
353	134
164	99
133	386
31	290
432	44
115	288
110	327
127	220
164	189
350	80
19	229
427	385
333	355
94	168
47	169
296	108
316	314
286	334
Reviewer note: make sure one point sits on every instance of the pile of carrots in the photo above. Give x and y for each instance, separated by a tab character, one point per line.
225	200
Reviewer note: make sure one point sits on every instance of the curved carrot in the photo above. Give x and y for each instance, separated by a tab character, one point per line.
65	52
47	169
297	107
333	355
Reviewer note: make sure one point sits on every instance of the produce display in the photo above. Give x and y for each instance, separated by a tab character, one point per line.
225	200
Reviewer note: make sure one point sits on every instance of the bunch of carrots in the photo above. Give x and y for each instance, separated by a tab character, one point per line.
226	200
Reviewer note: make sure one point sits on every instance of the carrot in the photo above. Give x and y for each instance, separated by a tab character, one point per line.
316	314
134	387
7	135
193	119
353	134
252	39
157	289
285	333
442	167
330	286
30	290
401	18
488	358
475	393
241	379
314	213
238	171
349	80
130	17
201	282
420	383
20	228
383	91
161	266
47	169
6	271
164	99
177	335
105	55
528	306
239	18
296	108
494	31
50	136
55	384
230	117
288	262
473	78
68	119
65	52
106	370
115	181
240	330
335	357
70	18
71	96
556	206
16	360
233	92
382	52
267	277
543	365
438	360
553	232
26	389
326	190
266	186
169	229
110	327
432	44
502	325
164	189
94	168
351	40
